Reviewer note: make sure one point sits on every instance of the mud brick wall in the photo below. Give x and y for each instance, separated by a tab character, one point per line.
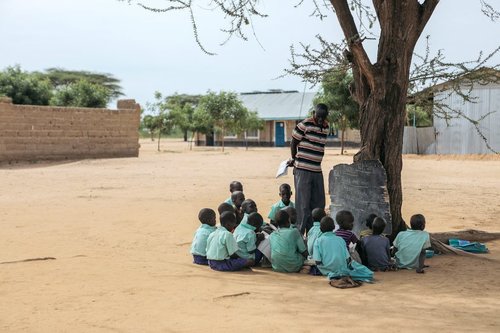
30	133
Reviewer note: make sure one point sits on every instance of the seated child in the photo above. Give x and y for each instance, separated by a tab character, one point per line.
238	197
199	245
285	192
225	207
292	213
332	257
368	223
345	220
234	186
377	247
288	250
248	207
245	236
410	245
222	247
315	231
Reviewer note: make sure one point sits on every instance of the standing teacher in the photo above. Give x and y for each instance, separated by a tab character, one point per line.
308	147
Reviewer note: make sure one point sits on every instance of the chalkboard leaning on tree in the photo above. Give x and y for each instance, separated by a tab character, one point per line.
307	148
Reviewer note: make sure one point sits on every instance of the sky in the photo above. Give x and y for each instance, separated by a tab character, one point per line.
152	52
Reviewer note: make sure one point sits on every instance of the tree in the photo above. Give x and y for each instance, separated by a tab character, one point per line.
60	77
149	123
182	110
380	87
24	87
224	110
81	94
344	112
161	120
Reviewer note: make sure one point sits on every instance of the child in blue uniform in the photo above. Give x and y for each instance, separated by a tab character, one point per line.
410	245
285	192
288	250
248	207
315	231
225	207
246	238
332	257
234	186
222	247
199	245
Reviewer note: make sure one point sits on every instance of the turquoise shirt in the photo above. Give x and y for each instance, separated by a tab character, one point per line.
409	244
199	245
287	247
245	237
331	254
221	244
312	235
244	219
229	201
277	207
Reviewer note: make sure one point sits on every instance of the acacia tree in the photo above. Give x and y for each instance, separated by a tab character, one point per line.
344	112
161	120
182	110
380	87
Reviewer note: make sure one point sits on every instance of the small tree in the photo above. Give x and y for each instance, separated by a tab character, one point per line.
82	94
149	123
161	120
225	110
182	109
24	87
202	123
249	122
344	111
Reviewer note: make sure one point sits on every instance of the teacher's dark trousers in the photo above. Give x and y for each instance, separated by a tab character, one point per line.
309	194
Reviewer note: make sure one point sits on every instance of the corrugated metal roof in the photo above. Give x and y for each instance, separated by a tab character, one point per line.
279	106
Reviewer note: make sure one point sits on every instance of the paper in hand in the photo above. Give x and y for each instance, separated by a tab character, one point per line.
282	169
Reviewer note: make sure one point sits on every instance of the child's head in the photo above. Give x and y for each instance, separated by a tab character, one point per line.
345	219
285	193
235	186
292	213
417	222
327	224
255	220
282	219
249	206
207	216
237	197
228	220
225	207
378	226
318	214
369	220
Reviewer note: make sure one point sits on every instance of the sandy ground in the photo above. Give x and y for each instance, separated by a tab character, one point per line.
120	230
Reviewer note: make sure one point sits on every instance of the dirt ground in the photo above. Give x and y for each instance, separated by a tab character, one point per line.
120	230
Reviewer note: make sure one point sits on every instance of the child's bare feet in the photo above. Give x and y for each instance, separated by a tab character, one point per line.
420	271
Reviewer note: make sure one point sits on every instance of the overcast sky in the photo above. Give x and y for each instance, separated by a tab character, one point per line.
149	51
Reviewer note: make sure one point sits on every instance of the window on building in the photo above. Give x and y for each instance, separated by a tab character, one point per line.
252	134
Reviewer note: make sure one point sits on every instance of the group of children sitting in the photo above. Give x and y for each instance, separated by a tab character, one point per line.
243	239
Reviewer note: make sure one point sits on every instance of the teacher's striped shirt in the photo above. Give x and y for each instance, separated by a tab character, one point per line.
311	147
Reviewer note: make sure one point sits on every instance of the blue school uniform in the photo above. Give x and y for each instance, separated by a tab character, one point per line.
277	207
287	247
199	244
410	244
312	235
244	219
333	259
246	239
229	201
220	246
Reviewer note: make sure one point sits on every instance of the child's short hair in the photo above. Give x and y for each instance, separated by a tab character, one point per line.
206	215
369	220
235	186
228	219
417	222
247	205
292	213
318	214
344	218
236	194
378	226
255	220
282	218
327	224
225	207
284	187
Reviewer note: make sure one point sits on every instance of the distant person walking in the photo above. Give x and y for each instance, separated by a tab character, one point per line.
307	148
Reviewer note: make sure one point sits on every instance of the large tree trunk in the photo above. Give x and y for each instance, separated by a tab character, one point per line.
381	88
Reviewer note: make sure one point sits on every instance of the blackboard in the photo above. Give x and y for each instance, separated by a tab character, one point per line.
361	188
